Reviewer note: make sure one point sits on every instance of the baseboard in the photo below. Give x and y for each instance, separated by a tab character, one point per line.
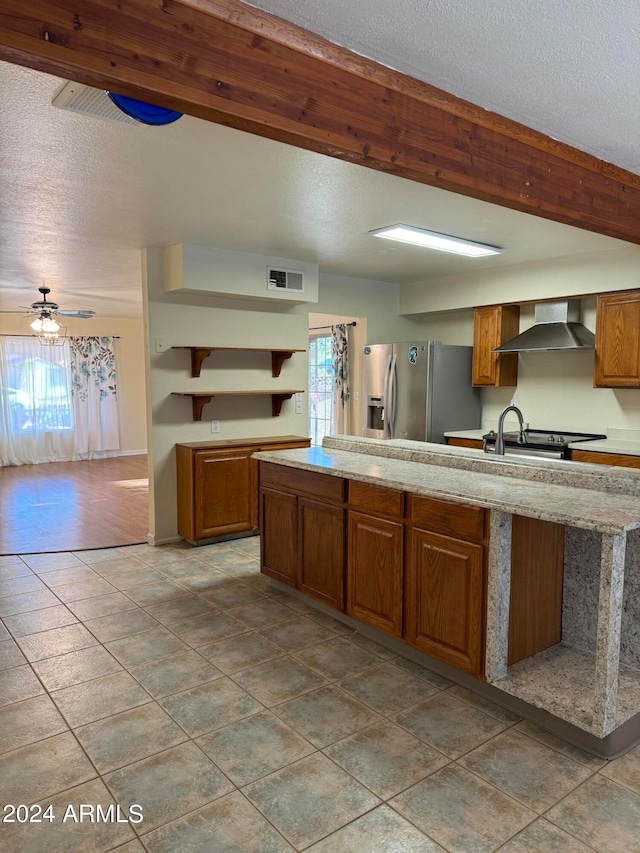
169	540
131	453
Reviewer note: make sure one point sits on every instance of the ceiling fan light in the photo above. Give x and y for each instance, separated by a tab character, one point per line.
37	324
434	240
49	325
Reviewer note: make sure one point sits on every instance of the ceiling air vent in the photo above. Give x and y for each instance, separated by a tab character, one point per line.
90	102
291	280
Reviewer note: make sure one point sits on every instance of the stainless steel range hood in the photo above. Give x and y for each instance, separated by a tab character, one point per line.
557	326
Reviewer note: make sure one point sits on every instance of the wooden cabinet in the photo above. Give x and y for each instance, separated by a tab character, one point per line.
445	598
303	531
622	460
617	359
218	485
445	582
493	326
375	556
473	443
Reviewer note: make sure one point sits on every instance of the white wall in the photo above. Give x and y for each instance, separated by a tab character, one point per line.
555	389
573	276
190	320
129	350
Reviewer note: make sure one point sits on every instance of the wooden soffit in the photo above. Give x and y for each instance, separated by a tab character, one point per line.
229	63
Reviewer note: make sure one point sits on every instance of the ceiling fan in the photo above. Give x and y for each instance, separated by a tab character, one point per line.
45	325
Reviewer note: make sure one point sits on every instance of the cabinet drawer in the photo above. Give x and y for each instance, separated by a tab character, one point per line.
376	499
320	486
451	519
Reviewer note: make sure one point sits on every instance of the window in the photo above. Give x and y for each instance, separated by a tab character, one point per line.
320	388
38	394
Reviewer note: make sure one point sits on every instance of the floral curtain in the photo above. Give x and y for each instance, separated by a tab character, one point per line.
340	345
93	390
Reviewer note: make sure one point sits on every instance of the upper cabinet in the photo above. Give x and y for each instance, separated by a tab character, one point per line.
493	326
617	361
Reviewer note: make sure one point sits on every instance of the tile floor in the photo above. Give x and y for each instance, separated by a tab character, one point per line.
242	720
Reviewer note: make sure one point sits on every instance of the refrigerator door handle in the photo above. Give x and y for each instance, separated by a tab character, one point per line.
393	397
387	409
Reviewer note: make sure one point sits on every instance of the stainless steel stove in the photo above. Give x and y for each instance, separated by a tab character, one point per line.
538	442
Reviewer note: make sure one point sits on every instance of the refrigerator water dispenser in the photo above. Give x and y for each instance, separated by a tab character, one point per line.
375	413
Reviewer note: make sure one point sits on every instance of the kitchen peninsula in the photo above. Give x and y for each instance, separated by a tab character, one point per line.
525	575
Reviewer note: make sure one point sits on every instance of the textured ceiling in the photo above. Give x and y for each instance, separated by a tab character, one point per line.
81	196
567	68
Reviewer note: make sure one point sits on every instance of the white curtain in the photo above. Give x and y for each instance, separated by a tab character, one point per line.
36	420
341	343
95	405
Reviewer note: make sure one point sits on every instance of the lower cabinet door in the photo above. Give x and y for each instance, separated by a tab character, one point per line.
224	485
374	572
322	557
444	600
279	535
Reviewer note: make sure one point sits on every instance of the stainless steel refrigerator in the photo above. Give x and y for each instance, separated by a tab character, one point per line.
418	391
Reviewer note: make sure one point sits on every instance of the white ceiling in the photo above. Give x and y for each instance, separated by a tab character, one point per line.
81	196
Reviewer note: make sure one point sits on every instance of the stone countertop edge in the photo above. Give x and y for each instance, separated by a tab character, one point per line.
609	445
593	510
582	475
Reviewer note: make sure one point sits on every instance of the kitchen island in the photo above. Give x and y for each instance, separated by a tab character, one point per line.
468	529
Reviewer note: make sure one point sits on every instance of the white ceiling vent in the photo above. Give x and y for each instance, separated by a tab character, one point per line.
292	280
90	102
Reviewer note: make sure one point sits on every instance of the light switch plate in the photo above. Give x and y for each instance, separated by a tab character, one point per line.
215	426
298	404
161	344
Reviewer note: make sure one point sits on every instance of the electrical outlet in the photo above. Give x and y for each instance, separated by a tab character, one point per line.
215	426
356	396
298	404
161	344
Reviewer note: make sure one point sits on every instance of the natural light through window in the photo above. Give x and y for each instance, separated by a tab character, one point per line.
320	388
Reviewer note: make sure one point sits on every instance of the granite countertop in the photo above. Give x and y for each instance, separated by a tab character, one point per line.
589	508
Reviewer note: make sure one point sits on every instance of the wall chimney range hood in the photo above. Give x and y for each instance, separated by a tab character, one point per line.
557	326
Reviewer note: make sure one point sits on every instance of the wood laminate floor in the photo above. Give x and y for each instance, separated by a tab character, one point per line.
68	506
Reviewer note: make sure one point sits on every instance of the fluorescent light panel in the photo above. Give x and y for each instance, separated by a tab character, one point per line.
433	240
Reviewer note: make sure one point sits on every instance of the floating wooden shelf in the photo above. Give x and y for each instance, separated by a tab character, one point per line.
199	399
278	356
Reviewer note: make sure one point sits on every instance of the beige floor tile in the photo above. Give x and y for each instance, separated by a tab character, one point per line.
17	684
39	620
386	758
461	812
296	634
57	641
212	626
143	648
179	609
240	652
84	589
71	835
92	700
51	562
154	593
254	747
602	814
262	613
230	824
380	831
485	705
210	706
568	749
326	715
10	654
63	577
337	658
23	583
310	799
102	605
451	726
543	837
175	674
387	689
625	770
526	769
26	602
27	722
169	785
279	680
129	736
123	624
74	667
43	769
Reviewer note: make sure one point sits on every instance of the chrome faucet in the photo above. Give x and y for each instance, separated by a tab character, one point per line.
500	438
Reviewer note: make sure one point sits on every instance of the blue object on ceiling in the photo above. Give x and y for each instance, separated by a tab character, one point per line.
143	112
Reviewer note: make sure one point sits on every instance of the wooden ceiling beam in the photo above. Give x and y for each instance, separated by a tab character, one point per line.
229	63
